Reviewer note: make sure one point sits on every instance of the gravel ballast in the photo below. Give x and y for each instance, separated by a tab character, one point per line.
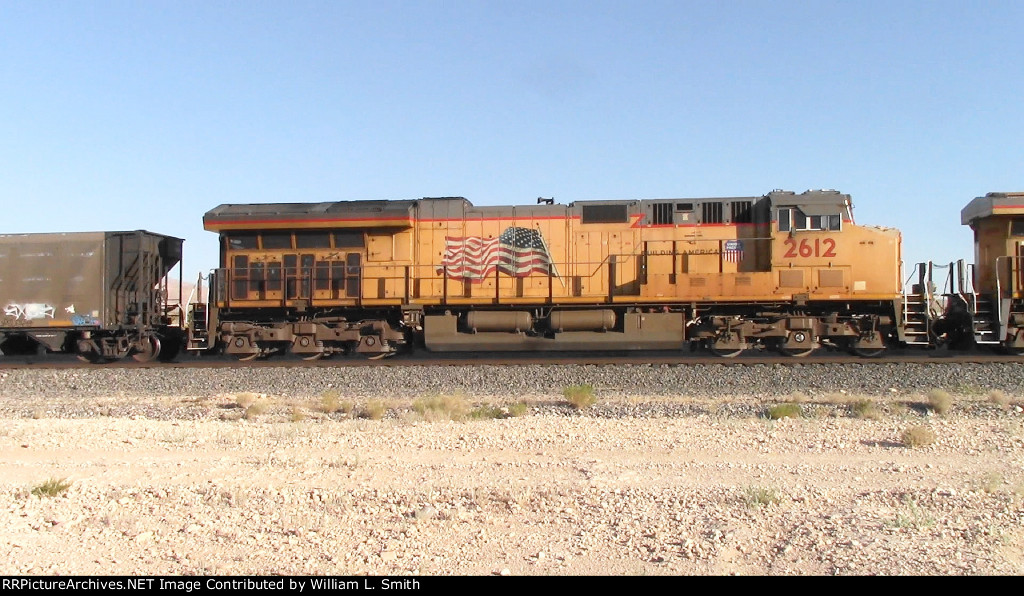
618	380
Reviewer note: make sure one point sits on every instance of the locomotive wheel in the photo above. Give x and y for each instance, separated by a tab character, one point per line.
797	347
150	349
93	358
724	350
868	352
796	352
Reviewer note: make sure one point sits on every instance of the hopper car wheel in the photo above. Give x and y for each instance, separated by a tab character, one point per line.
150	349
171	348
247	357
312	357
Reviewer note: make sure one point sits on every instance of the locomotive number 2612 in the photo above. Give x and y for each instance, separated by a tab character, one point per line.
820	247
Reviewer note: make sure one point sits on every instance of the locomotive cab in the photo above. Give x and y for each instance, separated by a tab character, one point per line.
994	295
307	279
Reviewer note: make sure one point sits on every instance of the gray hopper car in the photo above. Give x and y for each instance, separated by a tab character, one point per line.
100	295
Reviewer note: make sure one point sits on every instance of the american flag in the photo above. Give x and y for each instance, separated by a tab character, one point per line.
517	252
732	251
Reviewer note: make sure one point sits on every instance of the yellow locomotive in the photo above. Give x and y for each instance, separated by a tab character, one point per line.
979	303
784	271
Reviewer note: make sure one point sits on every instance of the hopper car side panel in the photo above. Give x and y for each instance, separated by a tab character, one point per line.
99	294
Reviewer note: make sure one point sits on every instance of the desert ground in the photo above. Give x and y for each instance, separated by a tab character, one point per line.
249	484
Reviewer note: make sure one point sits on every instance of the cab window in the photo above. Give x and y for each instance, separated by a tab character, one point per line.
795	219
277	240
243	242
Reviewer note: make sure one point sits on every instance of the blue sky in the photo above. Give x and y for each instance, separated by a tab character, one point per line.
146	114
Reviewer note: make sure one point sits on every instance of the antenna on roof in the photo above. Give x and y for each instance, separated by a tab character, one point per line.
550	201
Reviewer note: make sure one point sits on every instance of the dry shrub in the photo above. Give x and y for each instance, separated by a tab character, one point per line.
486	412
51	488
256	409
918	436
759	496
580	396
518	409
246	399
441	407
940	401
999	398
992	482
297	414
779	411
374	409
330	402
866	409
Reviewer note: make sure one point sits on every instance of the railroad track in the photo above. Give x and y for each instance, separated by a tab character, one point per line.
520	359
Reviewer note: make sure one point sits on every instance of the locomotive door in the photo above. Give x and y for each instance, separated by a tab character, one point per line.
298	271
1018	270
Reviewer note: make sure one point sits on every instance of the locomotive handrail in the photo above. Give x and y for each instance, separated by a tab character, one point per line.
1013	271
364	272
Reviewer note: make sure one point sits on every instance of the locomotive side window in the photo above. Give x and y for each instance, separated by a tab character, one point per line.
1017	227
240	276
312	240
711	212
792	218
243	241
337	276
256	278
799	220
352	263
785	220
277	240
322	275
349	240
604	214
274	276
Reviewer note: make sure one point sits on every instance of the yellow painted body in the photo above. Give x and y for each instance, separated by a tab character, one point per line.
627	263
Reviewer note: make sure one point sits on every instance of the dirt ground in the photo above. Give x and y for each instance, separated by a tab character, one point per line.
550	492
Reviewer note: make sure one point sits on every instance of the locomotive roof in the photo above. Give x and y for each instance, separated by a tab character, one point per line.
812	202
994	203
401	213
287	215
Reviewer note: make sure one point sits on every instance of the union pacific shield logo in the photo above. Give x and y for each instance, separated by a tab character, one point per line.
732	251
